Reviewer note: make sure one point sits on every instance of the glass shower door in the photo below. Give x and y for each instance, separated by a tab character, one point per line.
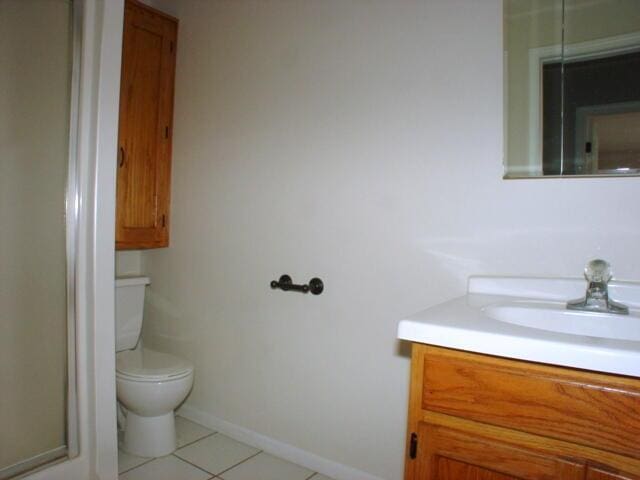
36	216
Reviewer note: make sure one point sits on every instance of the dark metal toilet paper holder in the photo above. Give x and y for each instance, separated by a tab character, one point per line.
315	285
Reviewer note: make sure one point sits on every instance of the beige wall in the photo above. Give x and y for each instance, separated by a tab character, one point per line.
128	262
361	142
532	24
34	120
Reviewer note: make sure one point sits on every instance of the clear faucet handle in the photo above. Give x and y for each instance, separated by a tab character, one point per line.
598	271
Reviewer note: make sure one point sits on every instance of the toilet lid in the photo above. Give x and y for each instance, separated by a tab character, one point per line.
148	364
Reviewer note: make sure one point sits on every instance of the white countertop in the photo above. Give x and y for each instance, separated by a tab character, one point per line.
462	324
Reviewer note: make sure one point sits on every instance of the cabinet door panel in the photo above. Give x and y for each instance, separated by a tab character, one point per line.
141	92
596	473
454	469
146	110
447	454
555	402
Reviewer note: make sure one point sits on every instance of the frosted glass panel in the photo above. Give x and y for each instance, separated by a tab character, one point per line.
35	85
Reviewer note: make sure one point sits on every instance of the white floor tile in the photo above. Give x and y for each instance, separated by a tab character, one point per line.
267	467
318	476
165	468
216	453
126	461
188	432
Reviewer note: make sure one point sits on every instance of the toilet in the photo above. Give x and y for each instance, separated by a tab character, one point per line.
150	385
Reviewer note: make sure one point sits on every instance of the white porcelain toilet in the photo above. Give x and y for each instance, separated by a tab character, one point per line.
150	385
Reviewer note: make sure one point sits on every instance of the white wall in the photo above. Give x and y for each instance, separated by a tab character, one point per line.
361	142
128	262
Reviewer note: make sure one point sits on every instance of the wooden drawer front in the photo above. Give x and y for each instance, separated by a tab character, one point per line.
569	405
447	454
594	473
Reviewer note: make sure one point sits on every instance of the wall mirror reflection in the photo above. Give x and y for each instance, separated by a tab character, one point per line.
572	87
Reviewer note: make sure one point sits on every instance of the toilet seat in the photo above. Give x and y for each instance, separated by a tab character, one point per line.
146	365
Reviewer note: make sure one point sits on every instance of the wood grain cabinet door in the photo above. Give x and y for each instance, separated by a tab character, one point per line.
584	408
144	134
447	454
598	473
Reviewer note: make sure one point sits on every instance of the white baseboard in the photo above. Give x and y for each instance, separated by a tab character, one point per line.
293	454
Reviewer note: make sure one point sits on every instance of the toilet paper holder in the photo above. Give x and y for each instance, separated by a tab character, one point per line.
315	285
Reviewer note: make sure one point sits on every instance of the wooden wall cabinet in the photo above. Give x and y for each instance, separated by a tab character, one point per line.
145	128
477	417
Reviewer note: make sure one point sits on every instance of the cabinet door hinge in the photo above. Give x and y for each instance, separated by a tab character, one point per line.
413	446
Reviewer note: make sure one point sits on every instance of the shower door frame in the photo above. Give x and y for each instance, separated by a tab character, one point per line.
70	448
72	217
90	208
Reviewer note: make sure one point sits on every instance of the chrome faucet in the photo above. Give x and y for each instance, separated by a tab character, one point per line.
598	273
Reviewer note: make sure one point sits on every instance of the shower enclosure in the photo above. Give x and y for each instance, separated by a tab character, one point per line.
39	40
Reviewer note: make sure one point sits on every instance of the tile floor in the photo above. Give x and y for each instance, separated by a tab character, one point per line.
204	454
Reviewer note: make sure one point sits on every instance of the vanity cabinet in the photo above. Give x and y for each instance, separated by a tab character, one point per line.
478	417
594	473
145	128
456	454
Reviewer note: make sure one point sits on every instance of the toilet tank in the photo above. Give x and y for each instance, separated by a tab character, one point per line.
129	309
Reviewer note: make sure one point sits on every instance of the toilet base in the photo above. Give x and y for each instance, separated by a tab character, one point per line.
150	436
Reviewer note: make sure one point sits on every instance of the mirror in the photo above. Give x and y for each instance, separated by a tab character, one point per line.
572	88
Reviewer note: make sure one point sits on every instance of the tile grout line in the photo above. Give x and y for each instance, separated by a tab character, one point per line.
151	459
207	471
193	465
240	463
217	476
213	476
187	461
193	441
137	466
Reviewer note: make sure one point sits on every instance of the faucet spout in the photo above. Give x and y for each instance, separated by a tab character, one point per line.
598	273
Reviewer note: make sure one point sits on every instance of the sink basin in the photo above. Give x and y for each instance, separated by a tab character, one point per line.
526	319
554	317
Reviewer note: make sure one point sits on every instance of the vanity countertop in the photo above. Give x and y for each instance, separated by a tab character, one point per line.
463	323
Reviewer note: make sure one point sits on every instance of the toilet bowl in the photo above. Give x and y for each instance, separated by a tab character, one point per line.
150	385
